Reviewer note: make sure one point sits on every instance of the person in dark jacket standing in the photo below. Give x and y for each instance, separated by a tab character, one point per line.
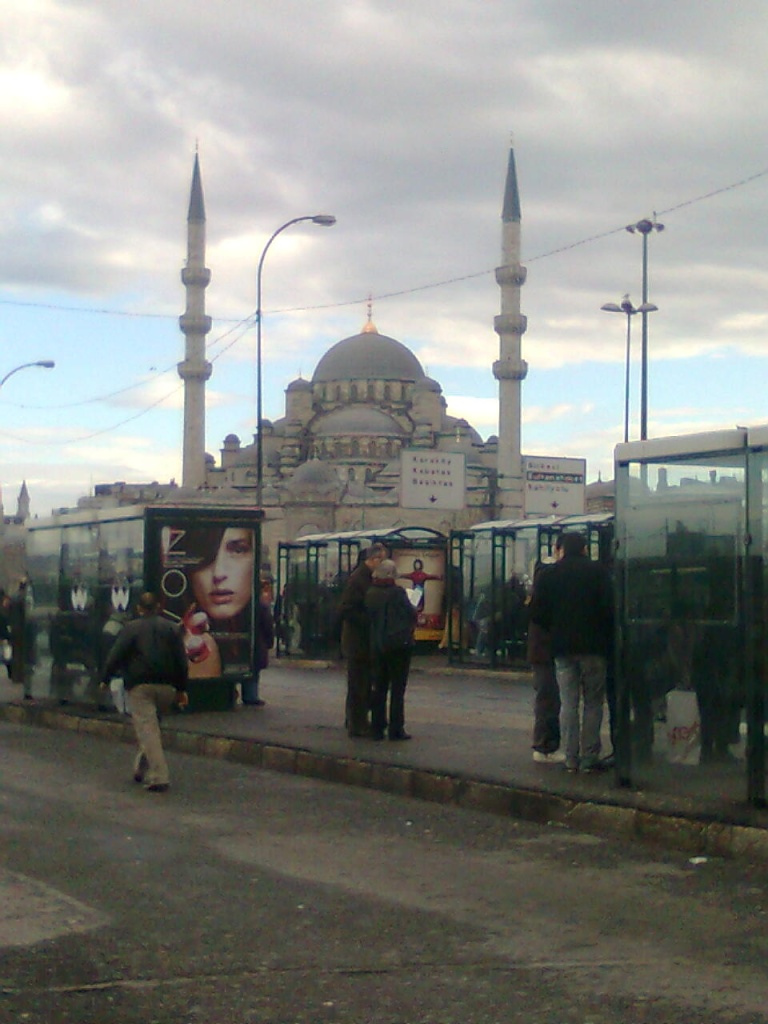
573	601
356	642
546	701
392	620
149	654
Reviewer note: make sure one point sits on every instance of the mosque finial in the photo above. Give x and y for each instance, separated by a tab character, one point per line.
370	327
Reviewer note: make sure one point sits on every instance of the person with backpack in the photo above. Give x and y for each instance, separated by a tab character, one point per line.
149	654
392	619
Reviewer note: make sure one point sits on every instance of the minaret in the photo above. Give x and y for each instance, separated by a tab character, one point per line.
510	369
22	503
195	371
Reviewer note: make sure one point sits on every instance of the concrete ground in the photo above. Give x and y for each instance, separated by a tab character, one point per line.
470	746
244	896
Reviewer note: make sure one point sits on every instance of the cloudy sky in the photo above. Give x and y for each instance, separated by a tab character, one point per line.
396	117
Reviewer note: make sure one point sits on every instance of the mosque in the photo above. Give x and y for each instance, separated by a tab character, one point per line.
366	442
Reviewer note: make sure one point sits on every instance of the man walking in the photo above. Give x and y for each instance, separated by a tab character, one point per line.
573	601
356	642
149	654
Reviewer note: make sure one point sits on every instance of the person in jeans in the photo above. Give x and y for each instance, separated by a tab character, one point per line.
149	654
573	602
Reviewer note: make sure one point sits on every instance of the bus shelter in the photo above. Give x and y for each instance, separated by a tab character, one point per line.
312	571
491	570
691	615
86	569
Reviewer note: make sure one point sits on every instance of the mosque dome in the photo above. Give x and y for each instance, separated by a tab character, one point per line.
299	385
368	356
357	419
429	384
314	477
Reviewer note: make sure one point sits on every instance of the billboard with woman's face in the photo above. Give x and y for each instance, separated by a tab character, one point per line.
205	568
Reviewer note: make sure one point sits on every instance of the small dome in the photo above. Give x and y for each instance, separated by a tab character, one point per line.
314	477
356	419
232	440
428	384
368	356
299	385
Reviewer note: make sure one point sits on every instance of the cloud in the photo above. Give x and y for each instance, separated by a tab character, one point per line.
395	117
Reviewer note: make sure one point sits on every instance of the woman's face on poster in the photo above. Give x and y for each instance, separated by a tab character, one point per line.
223	587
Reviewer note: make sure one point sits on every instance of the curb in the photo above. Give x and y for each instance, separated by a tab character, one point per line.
686	834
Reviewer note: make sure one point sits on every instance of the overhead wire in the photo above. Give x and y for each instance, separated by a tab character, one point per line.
247	322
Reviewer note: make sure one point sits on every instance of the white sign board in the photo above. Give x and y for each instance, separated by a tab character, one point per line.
553	486
432	479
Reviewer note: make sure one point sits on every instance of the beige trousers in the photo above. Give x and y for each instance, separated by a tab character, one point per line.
145	703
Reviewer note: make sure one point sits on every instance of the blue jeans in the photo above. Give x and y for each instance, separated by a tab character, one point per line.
581	676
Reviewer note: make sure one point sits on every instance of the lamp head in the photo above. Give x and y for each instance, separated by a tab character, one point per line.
47	363
327	220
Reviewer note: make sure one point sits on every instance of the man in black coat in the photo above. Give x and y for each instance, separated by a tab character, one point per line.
356	642
392	618
149	654
573	601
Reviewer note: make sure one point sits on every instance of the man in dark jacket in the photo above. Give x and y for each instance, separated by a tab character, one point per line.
149	654
573	601
355	640
392	618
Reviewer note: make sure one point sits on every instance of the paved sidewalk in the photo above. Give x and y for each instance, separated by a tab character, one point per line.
470	746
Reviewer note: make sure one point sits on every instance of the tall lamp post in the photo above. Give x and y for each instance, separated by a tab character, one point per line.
629	310
48	364
644	228
326	221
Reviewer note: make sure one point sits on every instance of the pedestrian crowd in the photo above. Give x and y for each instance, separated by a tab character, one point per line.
570	626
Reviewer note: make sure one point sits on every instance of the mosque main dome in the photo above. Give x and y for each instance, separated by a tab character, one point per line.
368	356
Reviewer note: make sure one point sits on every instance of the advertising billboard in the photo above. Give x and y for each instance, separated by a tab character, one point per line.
205	566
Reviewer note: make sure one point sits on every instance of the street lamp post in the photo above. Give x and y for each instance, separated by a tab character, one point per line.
327	221
629	310
644	228
48	364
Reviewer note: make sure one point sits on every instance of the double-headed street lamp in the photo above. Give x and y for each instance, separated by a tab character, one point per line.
644	228
48	364
324	220
629	310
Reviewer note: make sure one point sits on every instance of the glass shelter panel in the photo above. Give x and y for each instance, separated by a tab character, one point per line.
682	698
84	576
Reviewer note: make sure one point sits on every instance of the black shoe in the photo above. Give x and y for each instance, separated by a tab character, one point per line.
402	735
254	703
157	787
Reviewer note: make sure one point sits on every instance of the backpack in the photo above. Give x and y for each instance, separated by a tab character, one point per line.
396	633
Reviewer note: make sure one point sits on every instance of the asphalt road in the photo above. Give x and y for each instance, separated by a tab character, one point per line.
248	896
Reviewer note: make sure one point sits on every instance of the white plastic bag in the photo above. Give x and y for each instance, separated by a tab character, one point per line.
683	727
